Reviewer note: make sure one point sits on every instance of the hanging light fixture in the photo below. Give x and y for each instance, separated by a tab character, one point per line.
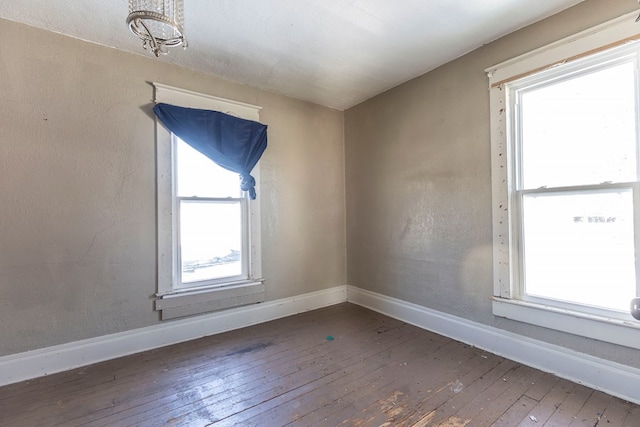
158	23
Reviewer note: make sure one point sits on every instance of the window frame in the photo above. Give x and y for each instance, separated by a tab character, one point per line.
173	299
507	299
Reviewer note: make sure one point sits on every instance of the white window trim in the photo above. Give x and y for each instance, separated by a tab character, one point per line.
176	302
505	304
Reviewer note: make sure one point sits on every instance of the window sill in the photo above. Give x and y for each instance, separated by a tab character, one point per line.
616	331
191	301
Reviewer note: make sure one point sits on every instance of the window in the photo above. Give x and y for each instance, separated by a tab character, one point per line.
575	179
211	214
566	185
208	229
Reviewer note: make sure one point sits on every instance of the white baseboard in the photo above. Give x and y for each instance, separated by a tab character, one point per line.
46	361
610	377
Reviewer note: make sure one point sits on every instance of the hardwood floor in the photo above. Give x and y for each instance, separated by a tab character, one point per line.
376	371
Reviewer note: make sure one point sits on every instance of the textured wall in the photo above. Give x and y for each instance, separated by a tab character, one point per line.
77	180
419	184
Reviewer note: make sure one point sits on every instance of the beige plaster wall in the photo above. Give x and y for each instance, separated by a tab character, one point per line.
77	187
419	184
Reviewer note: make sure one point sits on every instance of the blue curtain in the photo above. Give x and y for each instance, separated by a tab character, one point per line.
233	143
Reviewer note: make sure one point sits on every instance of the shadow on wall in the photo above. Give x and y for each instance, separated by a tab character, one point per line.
476	276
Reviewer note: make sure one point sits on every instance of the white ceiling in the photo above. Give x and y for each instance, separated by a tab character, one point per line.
336	53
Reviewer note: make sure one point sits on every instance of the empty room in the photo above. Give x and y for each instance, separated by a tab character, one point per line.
407	234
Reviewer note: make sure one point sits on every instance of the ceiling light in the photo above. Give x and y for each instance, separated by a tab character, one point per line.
158	23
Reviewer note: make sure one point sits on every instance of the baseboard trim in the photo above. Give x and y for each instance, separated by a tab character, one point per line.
32	364
610	377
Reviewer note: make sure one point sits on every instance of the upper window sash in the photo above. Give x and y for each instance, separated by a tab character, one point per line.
621	64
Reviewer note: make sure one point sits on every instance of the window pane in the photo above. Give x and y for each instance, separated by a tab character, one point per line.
580	247
580	130
210	240
199	176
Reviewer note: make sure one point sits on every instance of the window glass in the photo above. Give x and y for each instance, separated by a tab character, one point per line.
199	176
580	130
210	240
579	247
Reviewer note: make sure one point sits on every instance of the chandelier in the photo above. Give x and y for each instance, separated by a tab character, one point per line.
158	23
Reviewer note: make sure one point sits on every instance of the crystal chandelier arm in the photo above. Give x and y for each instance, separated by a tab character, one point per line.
149	41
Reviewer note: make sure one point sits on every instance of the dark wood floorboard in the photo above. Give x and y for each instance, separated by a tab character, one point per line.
376	371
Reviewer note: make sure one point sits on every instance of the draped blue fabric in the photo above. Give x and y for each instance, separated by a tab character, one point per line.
235	144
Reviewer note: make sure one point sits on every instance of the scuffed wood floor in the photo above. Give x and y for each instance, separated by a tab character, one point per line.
376	371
